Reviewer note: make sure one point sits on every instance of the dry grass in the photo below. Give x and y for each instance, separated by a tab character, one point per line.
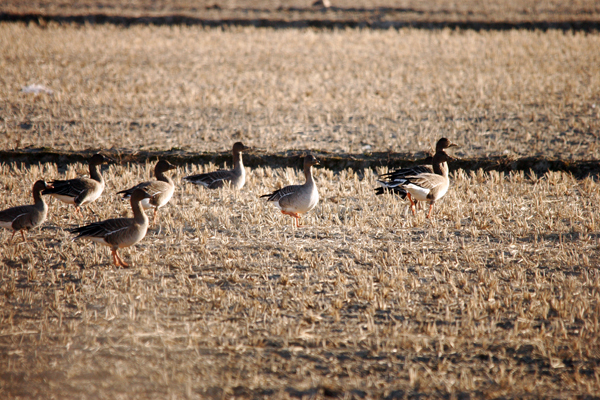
497	296
516	93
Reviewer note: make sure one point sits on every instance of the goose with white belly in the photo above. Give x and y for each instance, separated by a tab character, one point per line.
160	191
235	177
80	191
427	182
27	217
119	232
297	199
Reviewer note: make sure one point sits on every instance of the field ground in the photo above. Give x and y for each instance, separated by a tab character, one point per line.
515	93
497	296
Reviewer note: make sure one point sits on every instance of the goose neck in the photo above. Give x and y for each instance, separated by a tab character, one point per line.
95	173
238	164
163	178
139	215
38	200
308	174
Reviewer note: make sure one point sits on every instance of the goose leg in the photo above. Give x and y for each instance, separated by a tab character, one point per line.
294	215
123	263
412	203
23	234
117	260
430	210
154	219
114	257
13	236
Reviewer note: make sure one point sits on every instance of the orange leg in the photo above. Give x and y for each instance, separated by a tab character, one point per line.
117	260
154	219
412	203
22	234
78	212
430	210
296	217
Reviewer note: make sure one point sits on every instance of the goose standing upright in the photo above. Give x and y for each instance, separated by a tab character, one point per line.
393	181
119	232
297	199
22	218
80	191
217	179
160	190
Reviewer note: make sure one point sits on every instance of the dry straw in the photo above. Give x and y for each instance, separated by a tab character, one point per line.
498	294
510	93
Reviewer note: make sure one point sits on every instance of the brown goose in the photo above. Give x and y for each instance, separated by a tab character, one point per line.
428	186
393	180
236	177
119	232
160	190
80	191
26	217
297	199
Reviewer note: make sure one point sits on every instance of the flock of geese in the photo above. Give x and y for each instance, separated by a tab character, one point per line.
420	183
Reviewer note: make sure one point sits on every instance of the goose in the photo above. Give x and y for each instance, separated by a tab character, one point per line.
22	218
119	232
393	181
297	199
236	177
160	190
80	191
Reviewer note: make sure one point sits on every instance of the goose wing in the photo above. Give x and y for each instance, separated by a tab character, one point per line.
426	181
404	172
212	180
69	188
152	188
281	193
103	229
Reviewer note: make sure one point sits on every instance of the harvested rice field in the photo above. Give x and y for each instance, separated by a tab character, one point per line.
515	93
496	296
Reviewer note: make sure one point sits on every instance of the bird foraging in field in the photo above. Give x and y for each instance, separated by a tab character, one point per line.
160	191
433	183
297	199
236	177
80	191
23	218
119	232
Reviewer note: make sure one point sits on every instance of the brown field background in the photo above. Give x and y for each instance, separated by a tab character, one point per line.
513	93
497	296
